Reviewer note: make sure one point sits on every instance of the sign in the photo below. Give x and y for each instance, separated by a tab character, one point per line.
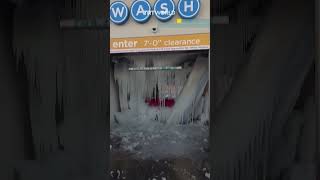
119	12
159	25
188	8
141	11
161	43
164	9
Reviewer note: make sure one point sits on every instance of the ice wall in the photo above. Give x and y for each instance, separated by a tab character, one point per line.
186	86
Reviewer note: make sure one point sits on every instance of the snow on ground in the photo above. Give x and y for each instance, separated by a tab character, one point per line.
146	138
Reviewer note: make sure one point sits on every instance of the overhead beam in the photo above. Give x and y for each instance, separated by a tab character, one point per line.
101	23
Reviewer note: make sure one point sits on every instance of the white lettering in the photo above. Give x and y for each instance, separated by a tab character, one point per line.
164	8
118	12
186	6
124	44
141	10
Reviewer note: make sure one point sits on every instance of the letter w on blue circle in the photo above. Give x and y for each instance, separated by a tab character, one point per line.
119	12
164	9
141	11
189	9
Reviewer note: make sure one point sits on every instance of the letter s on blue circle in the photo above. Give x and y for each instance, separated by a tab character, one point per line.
164	9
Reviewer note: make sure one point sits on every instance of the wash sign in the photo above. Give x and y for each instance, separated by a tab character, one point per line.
159	25
142	10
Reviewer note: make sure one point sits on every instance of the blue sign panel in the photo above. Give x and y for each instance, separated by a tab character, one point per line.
164	9
141	11
189	9
119	12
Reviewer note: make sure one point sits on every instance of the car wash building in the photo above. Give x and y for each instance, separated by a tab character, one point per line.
159	79
158	38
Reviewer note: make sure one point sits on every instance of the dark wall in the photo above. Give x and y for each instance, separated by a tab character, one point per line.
55	91
15	138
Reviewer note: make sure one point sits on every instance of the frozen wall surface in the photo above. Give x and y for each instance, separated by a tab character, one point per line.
186	86
147	130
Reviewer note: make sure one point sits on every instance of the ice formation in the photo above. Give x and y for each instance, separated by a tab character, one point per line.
149	131
188	103
186	87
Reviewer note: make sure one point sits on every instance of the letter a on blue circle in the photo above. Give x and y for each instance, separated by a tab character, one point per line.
164	9
119	12
141	11
189	9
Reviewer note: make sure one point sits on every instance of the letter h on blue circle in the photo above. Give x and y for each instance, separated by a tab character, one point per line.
189	9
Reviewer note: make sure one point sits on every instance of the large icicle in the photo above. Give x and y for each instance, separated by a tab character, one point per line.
184	110
121	76
114	96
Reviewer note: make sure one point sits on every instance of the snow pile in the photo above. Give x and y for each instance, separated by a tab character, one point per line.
150	139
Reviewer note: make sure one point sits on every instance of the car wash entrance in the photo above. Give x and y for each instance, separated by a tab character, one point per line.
159	93
160	111
172	87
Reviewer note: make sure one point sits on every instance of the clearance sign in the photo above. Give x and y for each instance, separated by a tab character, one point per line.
159	25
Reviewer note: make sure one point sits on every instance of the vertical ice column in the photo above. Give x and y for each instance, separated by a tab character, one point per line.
170	83
206	108
184	108
137	84
121	76
114	96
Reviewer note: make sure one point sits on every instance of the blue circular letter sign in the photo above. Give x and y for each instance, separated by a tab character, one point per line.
189	9
141	11
119	12
164	9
